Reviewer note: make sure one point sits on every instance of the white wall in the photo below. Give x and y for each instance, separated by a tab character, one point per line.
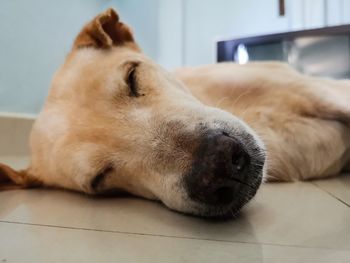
208	21
303	14
36	35
143	17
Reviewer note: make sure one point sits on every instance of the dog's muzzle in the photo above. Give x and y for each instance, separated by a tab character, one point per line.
225	174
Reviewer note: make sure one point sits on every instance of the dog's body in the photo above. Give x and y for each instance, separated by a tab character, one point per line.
302	120
115	120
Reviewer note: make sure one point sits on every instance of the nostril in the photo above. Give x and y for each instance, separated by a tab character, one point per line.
224	195
225	134
240	160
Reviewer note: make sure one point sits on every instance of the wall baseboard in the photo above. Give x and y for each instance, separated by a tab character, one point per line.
14	134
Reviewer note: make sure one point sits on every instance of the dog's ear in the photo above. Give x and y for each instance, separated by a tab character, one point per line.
105	31
12	179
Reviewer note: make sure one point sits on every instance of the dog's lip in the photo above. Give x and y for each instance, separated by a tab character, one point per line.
222	212
242	182
231	210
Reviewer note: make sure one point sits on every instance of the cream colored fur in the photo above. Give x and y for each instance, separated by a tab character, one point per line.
303	120
93	126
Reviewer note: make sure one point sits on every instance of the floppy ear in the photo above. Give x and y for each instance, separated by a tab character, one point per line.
105	31
12	179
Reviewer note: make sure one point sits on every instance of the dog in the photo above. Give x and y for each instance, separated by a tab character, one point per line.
201	140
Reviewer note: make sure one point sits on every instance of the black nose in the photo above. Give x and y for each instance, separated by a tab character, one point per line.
220	171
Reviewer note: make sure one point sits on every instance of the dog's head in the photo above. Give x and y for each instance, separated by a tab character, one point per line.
114	120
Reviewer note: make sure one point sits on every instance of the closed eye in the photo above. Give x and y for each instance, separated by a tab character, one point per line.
98	180
132	81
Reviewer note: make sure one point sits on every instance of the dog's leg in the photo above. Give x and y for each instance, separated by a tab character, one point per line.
313	142
302	148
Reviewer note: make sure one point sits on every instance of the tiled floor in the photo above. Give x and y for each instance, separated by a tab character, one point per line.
296	222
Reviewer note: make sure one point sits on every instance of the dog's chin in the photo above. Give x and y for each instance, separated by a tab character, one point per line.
229	211
219	212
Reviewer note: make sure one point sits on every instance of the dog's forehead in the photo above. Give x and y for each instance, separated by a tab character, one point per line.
113	58
88	67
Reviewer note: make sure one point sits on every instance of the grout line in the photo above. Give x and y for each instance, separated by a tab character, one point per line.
332	195
168	236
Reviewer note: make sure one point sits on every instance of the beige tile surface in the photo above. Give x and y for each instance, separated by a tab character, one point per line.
338	187
296	214
25	243
294	222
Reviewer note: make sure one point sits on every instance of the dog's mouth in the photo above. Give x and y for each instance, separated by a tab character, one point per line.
241	196
228	200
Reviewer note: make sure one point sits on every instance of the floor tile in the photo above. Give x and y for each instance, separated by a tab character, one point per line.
24	243
293	214
338	187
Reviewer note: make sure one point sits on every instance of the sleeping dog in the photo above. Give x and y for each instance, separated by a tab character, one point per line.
201	140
